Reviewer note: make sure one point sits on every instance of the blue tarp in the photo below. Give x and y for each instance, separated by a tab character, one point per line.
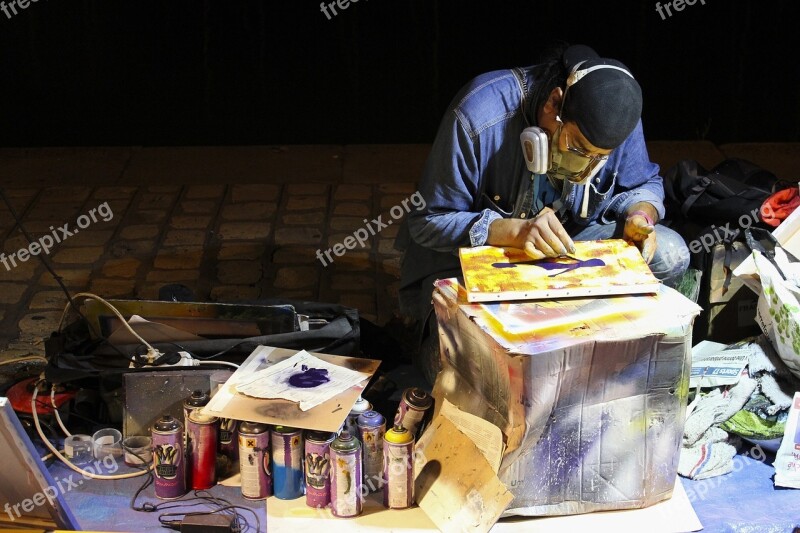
746	500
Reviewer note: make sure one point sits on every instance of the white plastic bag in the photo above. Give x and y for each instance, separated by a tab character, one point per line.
778	312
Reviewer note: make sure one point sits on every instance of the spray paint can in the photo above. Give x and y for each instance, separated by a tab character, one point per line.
228	451
318	468
287	462
398	468
413	413
346	500
169	466
197	400
371	427
351	422
202	450
254	454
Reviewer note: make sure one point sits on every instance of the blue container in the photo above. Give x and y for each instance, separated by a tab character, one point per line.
287	463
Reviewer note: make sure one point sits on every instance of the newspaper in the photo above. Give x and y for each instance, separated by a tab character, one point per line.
715	364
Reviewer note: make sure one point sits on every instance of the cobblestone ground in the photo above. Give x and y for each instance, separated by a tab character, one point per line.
224	242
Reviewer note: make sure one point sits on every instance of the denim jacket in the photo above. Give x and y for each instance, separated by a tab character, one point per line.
476	174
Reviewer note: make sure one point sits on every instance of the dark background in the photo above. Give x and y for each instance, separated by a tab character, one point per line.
202	72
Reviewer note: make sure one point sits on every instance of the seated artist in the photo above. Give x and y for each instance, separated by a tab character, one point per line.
594	181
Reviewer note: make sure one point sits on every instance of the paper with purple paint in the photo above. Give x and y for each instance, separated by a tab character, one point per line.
302	378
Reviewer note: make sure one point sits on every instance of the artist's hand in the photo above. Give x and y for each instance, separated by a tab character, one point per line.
541	236
639	231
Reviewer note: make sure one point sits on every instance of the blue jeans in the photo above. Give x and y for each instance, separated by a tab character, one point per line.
670	260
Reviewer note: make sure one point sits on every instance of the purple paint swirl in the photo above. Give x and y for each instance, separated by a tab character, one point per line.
548	264
309	378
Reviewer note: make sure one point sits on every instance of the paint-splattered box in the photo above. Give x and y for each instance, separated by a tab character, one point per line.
590	394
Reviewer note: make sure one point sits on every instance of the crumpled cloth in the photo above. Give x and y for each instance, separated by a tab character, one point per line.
711	456
707	449
780	205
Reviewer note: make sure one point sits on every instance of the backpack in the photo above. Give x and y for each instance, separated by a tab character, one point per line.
731	190
711	210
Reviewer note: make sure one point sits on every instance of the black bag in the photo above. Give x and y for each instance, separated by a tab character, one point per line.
731	190
711	210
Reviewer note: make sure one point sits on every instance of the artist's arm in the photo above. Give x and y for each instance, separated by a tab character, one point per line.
450	185
640	200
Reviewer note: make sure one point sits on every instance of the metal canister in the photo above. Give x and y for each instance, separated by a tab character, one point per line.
168	459
318	468
254	456
287	462
197	400
398	468
346	499
351	422
202	450
413	413
228	451
371	427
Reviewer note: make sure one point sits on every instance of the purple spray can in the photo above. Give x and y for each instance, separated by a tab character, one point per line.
318	468
168	459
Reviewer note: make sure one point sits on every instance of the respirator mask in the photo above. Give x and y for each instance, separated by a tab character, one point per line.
544	155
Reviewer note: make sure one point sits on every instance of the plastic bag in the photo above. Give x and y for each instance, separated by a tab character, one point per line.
778	311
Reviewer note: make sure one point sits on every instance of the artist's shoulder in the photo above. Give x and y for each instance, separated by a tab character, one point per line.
487	100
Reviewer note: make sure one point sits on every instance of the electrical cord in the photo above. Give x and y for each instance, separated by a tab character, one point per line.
174	519
207	357
225	363
164	518
55	411
63	459
152	353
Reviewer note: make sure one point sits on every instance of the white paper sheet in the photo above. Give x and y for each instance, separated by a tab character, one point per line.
302	378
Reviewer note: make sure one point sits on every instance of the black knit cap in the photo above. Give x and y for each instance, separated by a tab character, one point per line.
606	103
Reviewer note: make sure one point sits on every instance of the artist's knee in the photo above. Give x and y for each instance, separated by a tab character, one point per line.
672	255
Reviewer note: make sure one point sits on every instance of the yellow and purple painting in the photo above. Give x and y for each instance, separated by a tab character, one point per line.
597	268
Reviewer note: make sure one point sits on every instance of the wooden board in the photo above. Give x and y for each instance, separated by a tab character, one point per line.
597	268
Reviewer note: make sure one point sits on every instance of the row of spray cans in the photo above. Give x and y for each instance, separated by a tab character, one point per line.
336	470
195	453
270	458
378	458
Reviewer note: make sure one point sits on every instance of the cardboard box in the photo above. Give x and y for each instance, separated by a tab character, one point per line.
590	394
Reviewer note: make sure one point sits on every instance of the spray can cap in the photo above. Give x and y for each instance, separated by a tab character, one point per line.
198	398
398	435
345	442
167	423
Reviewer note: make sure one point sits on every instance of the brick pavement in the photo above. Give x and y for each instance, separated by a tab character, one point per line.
225	242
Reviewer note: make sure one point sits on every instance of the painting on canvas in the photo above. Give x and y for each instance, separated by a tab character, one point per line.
597	268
